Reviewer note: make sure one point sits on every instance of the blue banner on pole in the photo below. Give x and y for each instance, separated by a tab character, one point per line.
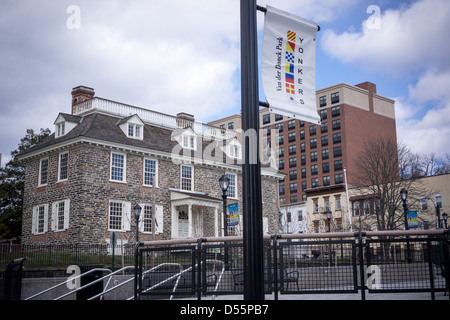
233	214
411	216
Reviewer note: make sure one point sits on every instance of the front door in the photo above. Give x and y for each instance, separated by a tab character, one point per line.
183	225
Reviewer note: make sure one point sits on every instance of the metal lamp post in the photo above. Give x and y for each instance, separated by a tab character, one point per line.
404	195
438	211
224	182
137	213
328	214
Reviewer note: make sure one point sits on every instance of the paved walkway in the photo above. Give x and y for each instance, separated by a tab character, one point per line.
343	296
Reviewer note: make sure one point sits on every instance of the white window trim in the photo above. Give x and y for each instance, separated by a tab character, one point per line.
55	211
59	167
192	177
191	137
158	217
156	172
235	196
134	136
35	219
40	184
126	216
124	177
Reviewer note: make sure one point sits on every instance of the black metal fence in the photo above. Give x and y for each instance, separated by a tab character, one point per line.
372	262
62	256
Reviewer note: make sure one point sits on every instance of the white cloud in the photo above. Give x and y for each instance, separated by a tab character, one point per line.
409	39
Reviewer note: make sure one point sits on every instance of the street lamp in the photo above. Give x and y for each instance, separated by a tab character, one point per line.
224	182
445	216
137	212
328	214
404	195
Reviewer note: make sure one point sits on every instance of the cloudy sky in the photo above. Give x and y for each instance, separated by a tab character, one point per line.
175	55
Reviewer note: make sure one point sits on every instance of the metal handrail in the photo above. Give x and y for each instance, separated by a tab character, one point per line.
65	282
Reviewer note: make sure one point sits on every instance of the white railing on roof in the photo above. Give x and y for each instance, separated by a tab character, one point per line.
150	117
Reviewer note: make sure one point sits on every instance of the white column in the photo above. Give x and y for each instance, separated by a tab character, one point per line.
190	221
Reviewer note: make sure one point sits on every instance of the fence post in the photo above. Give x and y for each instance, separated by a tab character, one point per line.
361	264
198	276
447	262
275	238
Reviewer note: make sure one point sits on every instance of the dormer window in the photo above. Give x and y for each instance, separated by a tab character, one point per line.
186	137
188	141
132	127
65	123
234	149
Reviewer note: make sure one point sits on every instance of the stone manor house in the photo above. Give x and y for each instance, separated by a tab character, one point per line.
105	157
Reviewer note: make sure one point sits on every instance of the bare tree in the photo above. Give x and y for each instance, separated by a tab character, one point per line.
384	168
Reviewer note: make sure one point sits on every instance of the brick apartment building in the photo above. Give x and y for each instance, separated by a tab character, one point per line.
105	157
314	156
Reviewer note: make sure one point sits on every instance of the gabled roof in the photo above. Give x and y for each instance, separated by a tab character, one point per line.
68	117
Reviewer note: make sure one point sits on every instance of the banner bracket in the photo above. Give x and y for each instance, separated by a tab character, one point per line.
263	9
264	104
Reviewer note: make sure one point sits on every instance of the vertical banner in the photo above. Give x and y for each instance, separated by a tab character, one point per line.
288	65
233	214
413	222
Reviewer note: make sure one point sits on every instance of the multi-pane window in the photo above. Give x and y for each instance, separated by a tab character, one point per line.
323	114
325	167
325	154
134	131
266	118
312	130
323	101
291	137
293	175
324	140
60	215
302	134
336	111
291	124
335	97
188	141
313	156
314	182
303	173
313	143
41	219
232	186
150	167
302	147
187	175
281	190
336	124
314	169
356	208
337	137
43	172
115	215
293	187
279	127
147	218
326	180
292	149
337	151
281	164
338	178
292	162
338	165
63	166
118	167
324	127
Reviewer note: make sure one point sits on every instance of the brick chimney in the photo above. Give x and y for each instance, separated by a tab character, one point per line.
80	94
185	120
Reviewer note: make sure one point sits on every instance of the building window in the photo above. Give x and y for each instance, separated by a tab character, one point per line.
147	219
313	156
324	127
280	140
231	125
278	117
337	151
303	160
293	175
43	172
291	124
438	201
60	215
312	130
187	175
281	190
281	164
315	206
280	152
314	169
324	140
63	166
60	129
150	172
336	124
115	215
302	134
134	131
335	98
292	162
302	147
337	137
266	118
293	187
291	137
314	182
337	165
366	207
423	203
303	173
279	127
313	143
232	187
323	114
356	208
118	167
293	199
326	180
303	185
292	149
338	204
338	178
188	141
336	111
39	224
323	101
325	154
325	167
